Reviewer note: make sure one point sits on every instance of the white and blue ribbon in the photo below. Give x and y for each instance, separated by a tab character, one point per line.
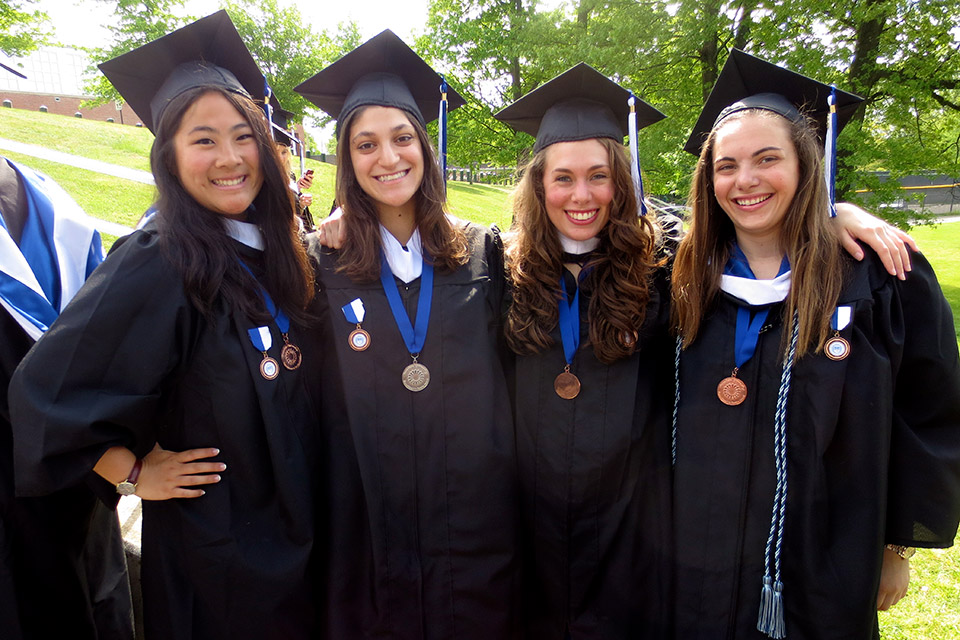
354	311
841	317
830	152
58	249
635	155
261	338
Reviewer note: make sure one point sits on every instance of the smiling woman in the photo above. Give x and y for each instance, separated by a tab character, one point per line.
818	402
420	536
218	160
190	342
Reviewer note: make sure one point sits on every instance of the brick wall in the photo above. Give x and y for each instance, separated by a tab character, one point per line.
68	106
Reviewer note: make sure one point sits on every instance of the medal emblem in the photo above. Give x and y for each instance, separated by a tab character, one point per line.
359	339
837	348
732	391
269	368
290	355
415	377
567	385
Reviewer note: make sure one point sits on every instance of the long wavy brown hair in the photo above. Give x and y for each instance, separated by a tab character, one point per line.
359	258
810	245
194	238
618	274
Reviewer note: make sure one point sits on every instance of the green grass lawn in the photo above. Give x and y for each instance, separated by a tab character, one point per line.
932	609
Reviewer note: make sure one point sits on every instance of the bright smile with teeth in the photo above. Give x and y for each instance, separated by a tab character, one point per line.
393	176
229	183
746	202
581	216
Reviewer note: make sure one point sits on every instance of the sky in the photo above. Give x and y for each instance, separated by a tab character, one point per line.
79	22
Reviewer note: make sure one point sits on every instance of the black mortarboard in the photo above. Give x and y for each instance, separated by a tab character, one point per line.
747	82
208	52
579	104
383	71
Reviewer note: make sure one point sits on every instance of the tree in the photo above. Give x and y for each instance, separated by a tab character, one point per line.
287	50
902	55
138	22
21	30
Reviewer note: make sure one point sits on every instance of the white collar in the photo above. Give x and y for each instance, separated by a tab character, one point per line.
405	262
757	292
245	233
578	247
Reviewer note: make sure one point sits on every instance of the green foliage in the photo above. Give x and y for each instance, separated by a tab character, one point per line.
21	29
902	55
137	23
287	50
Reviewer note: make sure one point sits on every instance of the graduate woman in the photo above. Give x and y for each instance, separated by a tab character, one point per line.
818	425
178	371
421	539
589	325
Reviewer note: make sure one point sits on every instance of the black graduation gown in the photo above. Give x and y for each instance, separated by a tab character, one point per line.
595	473
422	493
873	457
43	540
131	362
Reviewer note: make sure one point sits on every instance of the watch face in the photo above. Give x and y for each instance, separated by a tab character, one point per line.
126	488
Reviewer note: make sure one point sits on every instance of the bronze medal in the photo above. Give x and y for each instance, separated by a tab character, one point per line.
567	385
359	339
732	391
269	368
837	348
290	354
415	376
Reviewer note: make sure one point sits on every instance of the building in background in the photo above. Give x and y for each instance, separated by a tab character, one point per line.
54	81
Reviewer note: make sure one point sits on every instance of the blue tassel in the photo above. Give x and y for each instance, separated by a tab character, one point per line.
770	621
779	626
764	622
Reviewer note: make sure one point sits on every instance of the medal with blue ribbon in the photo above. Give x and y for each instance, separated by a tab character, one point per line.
260	337
838	348
732	390
415	376
353	311
567	385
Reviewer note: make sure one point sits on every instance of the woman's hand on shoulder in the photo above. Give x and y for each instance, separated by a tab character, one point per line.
889	243
177	474
332	232
894	580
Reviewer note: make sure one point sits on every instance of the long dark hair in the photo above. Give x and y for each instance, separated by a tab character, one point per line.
193	238
619	271
816	264
360	255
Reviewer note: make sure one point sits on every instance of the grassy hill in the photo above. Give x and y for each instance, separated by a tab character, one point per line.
931	610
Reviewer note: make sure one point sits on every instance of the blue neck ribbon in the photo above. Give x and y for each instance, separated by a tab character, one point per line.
569	322
278	315
413	336
749	322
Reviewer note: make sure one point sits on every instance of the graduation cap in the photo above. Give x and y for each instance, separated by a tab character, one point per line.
579	104
383	71
747	82
208	52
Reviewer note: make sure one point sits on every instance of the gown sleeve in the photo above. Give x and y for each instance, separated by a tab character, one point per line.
96	379
924	470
